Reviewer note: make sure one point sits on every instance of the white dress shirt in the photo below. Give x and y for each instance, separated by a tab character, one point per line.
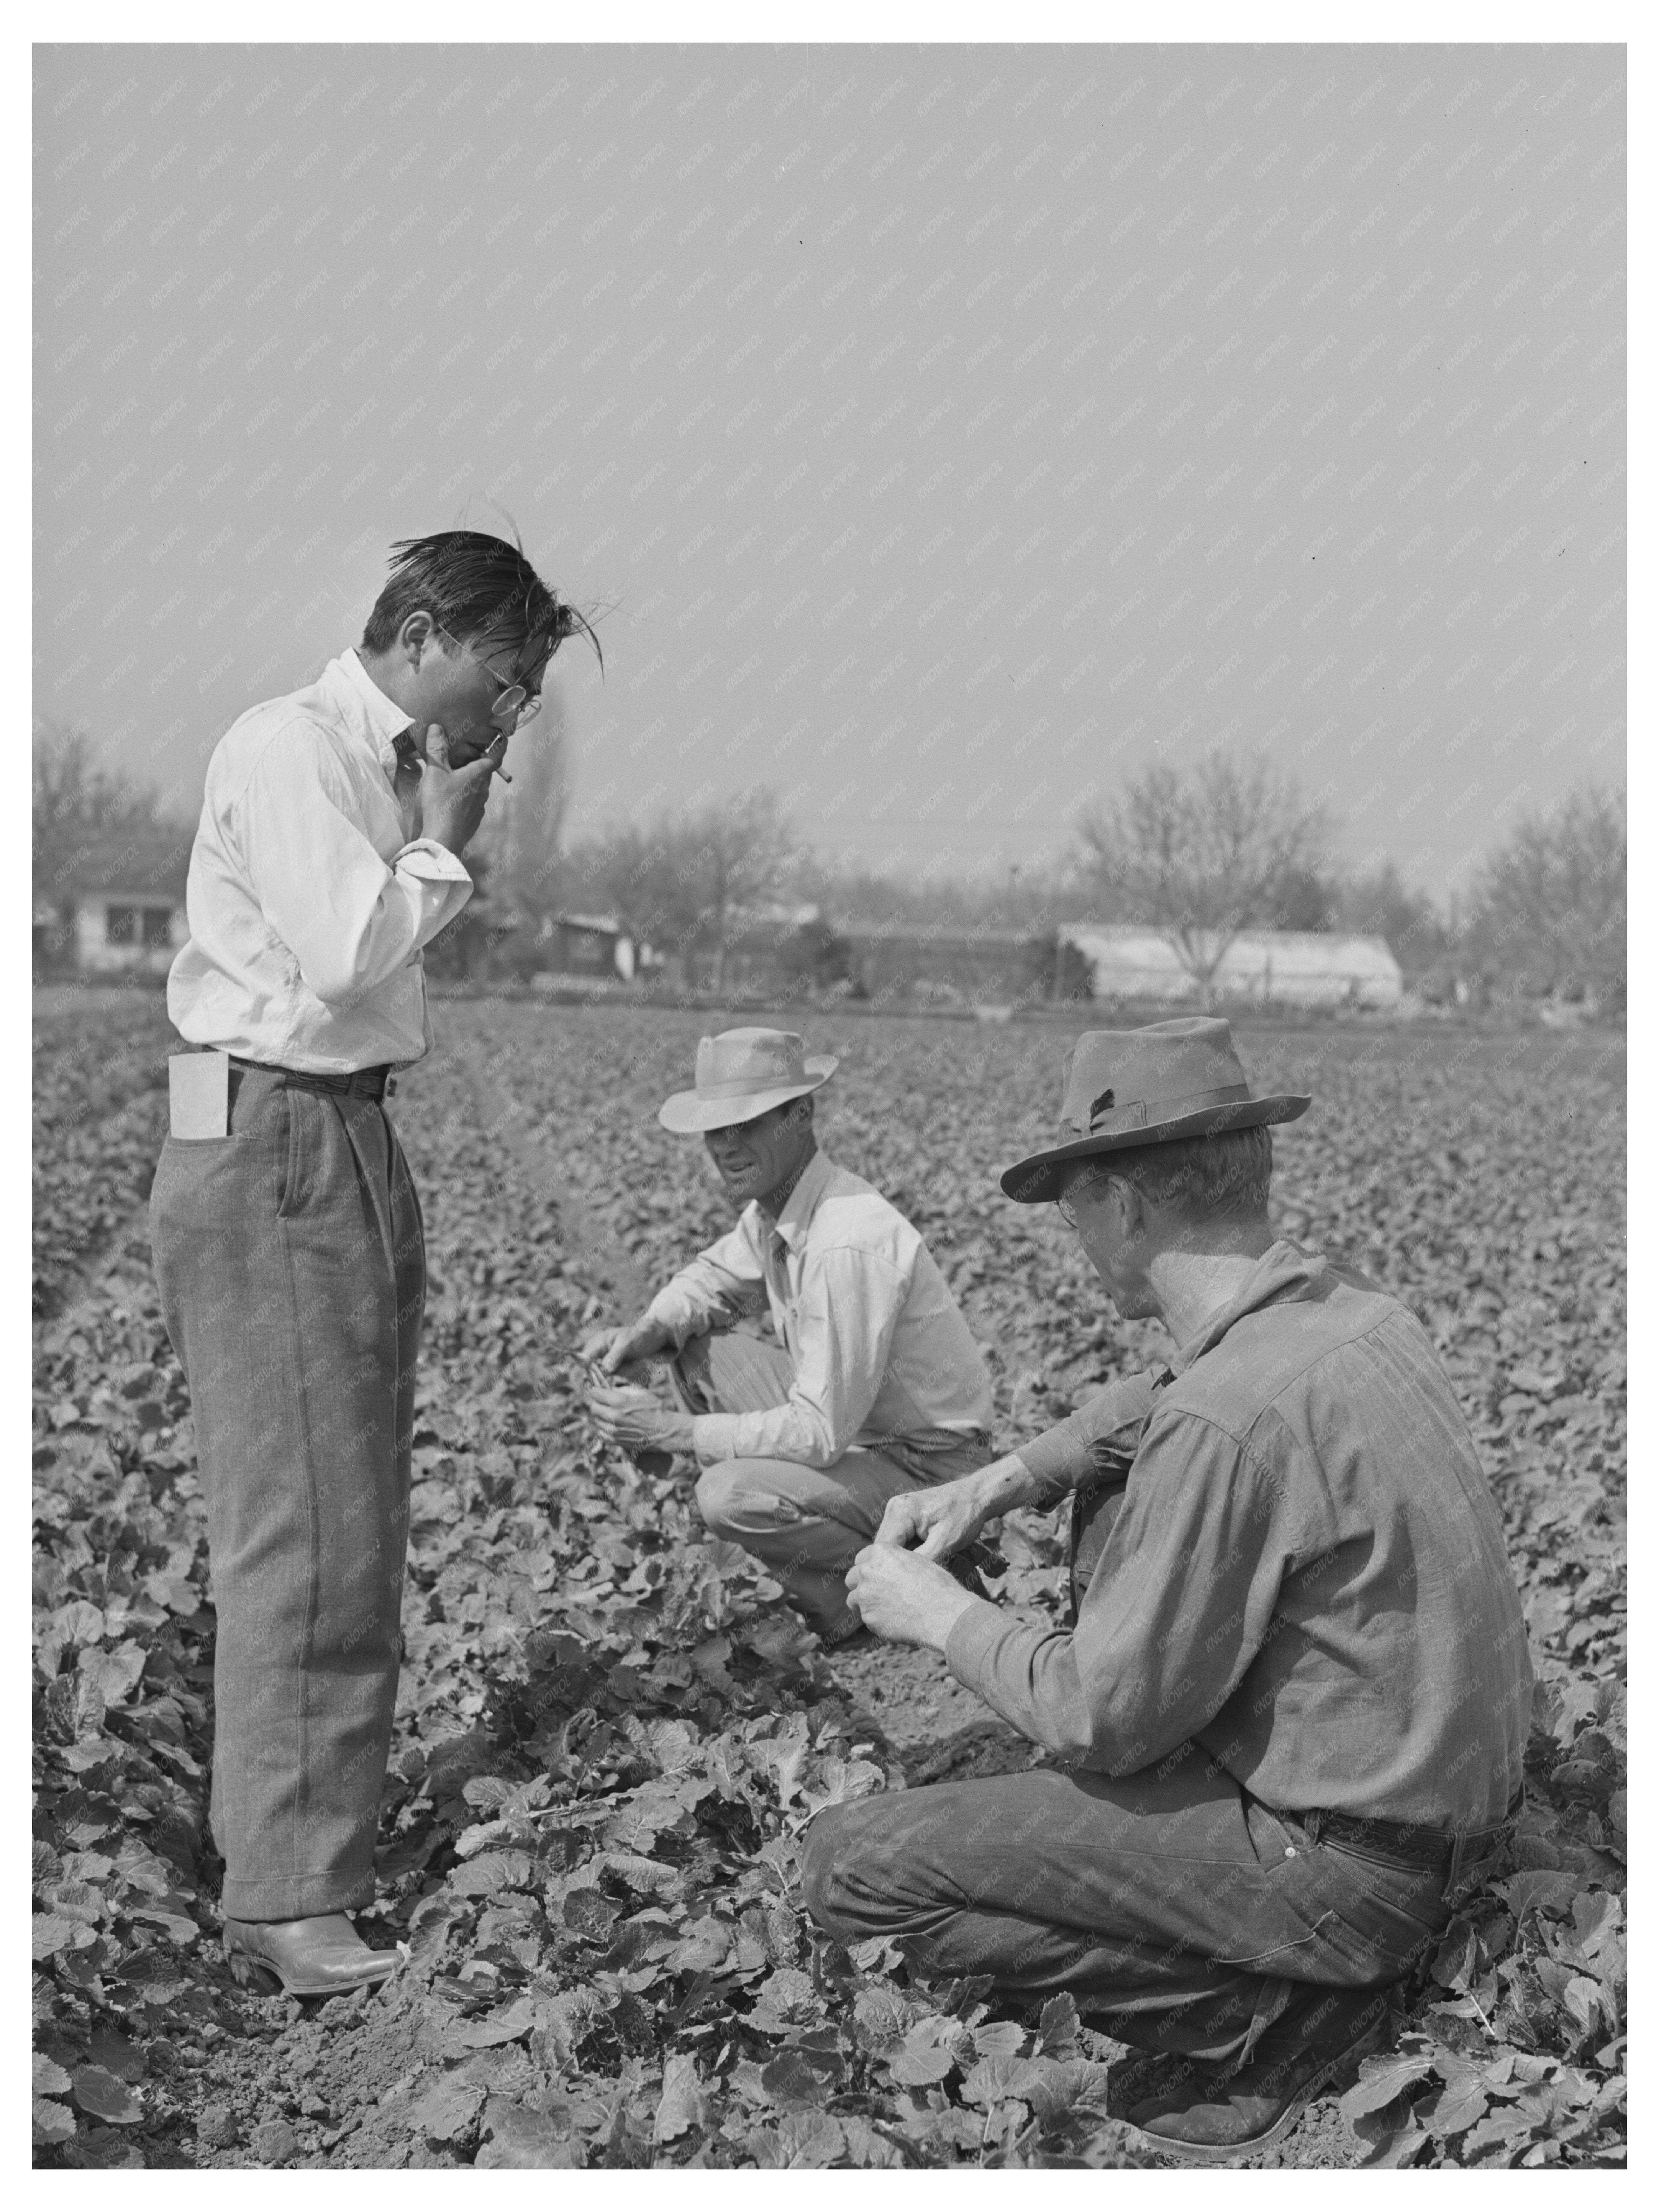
880	1345
308	900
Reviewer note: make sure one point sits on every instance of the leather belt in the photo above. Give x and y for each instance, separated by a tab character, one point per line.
363	1083
1405	1844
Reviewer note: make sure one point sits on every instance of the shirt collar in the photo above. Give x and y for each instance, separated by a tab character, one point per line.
792	1224
381	720
1284	1273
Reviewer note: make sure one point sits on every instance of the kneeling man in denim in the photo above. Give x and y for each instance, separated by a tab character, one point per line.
874	1387
1289	1714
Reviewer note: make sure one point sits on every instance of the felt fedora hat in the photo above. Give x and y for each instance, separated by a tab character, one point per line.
1148	1087
740	1073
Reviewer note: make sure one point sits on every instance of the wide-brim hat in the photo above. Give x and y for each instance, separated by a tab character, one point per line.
741	1073
1148	1087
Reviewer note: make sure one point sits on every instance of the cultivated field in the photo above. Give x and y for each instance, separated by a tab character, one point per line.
610	1731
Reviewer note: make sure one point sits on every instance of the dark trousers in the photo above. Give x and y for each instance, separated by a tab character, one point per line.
293	1276
1181	1910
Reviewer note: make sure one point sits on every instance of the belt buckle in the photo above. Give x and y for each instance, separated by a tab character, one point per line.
391	1090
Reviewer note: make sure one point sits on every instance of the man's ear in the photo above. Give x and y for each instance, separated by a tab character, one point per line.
1131	1207
416	633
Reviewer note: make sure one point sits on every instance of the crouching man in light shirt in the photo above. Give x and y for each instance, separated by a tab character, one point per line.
875	1386
287	1234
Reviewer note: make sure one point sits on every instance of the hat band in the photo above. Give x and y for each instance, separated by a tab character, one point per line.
1141	1113
746	1087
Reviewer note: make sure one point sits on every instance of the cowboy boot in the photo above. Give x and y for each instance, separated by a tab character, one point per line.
311	1958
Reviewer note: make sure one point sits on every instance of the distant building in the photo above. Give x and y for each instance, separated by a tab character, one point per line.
947	963
588	945
120	909
775	946
1295	968
792	949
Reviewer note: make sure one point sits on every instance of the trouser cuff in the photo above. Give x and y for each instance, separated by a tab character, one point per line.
303	1898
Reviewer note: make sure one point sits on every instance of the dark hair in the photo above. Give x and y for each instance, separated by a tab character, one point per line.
1198	1178
473	584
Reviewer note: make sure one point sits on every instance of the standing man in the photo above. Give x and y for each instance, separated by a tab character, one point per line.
286	1232
1295	1698
875	1386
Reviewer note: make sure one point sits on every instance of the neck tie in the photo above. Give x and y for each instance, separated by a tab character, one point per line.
406	784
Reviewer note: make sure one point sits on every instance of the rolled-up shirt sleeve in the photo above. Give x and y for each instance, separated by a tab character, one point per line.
849	1306
1180	1602
1105	1427
726	1280
351	919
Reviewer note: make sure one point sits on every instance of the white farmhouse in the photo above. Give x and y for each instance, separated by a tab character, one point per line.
118	906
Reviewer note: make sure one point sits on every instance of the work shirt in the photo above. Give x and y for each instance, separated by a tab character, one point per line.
880	1345
1307	1576
309	896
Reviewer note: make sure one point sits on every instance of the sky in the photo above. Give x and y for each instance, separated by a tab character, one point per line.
940	435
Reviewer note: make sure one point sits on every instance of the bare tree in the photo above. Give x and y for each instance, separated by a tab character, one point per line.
739	852
1376	902
682	881
1549	907
77	806
1199	857
522	846
617	871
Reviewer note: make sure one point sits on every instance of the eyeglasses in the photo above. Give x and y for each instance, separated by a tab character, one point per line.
512	699
1066	1204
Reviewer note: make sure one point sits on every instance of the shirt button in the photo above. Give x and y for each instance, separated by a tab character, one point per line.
1290	1851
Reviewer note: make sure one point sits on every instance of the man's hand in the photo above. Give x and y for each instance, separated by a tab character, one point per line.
634	1420
934	1523
611	1348
938	1523
904	1597
452	798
